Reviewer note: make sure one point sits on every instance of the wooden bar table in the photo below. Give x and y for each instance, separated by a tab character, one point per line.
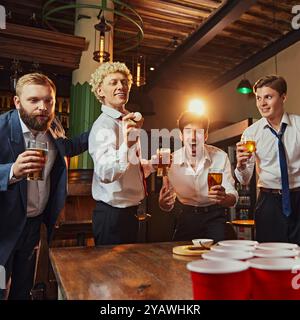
122	272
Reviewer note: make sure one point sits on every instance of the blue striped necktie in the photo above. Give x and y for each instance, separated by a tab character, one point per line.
286	201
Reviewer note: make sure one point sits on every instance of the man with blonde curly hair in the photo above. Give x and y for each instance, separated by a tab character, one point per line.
114	146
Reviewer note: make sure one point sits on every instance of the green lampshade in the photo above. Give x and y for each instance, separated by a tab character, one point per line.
244	87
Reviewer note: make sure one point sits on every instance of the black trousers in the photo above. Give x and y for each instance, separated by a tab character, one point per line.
196	223
20	266
113	225
272	224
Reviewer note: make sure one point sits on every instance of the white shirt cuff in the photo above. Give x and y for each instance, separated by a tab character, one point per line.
12	179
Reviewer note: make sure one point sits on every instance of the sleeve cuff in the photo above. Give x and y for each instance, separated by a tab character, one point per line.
11	173
12	179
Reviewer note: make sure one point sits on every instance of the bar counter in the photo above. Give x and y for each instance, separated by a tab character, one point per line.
125	272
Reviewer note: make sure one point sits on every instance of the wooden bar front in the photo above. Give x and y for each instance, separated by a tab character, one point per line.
133	271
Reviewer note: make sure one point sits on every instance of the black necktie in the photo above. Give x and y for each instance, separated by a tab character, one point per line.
286	201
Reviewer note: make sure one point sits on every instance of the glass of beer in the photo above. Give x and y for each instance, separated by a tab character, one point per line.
164	161
249	143
42	148
214	177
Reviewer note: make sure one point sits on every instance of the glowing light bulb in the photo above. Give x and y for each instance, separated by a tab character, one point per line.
101	48
197	106
138	74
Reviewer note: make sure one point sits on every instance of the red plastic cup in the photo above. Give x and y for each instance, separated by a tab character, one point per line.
277	246
229	243
275	278
275	253
232	248
235	255
220	280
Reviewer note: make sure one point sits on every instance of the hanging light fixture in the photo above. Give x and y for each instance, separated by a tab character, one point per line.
101	55
244	87
139	70
275	28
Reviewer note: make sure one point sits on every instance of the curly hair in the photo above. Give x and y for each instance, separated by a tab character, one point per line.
104	70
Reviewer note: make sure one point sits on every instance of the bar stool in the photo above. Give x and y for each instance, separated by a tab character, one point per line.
246	224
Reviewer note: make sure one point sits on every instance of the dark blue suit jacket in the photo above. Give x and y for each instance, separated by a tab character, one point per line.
13	197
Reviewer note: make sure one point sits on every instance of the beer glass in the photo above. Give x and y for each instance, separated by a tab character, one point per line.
164	161
42	148
249	143
214	177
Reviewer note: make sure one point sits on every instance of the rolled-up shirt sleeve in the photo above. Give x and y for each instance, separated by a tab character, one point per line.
244	176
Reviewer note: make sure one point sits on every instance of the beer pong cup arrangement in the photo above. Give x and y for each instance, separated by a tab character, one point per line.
220	280
275	278
268	271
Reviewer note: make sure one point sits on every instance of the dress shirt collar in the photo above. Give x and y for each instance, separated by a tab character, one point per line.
285	119
181	159
23	125
111	112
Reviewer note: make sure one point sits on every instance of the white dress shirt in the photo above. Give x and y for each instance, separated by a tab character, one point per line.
117	178
190	185
37	191
267	157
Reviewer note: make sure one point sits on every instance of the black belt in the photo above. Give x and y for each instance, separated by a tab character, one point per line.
192	209
102	203
277	191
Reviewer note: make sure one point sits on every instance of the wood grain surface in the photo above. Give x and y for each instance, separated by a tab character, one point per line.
133	271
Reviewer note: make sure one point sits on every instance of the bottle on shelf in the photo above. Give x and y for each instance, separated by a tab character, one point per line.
65	106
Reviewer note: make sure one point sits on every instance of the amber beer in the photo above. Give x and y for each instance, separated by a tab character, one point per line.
214	178
42	149
250	145
164	161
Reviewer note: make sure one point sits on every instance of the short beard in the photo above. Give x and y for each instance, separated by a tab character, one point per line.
34	124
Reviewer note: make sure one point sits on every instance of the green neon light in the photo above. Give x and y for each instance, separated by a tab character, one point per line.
244	90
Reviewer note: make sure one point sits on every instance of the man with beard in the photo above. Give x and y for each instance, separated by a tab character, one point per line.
26	204
200	210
